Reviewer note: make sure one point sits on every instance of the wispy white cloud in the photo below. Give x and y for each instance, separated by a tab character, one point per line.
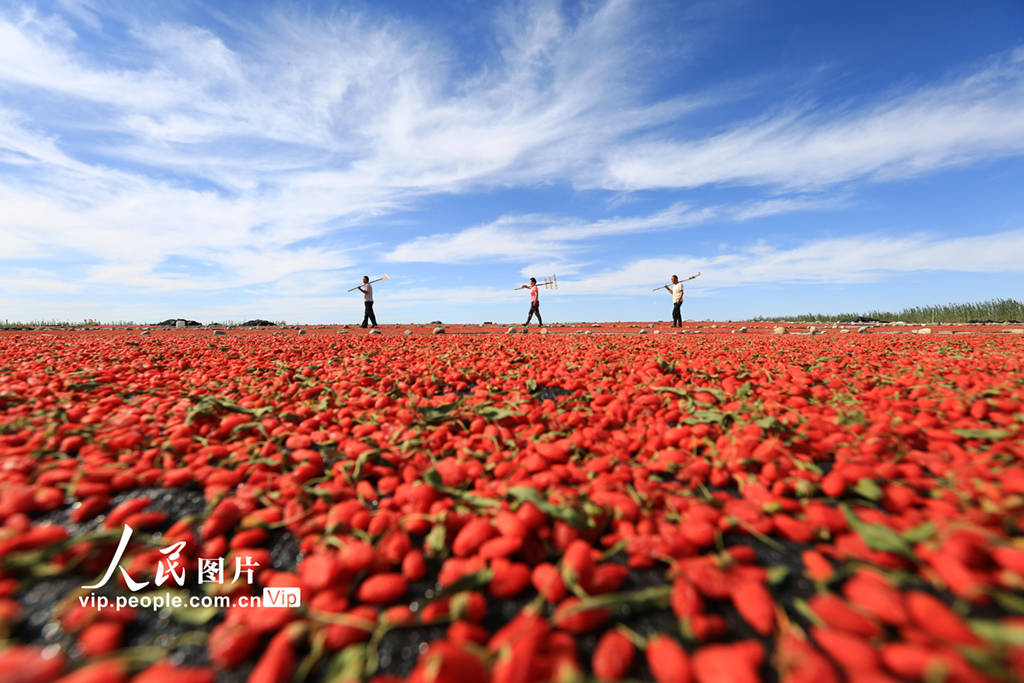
35	280
84	11
860	259
976	116
544	269
524	237
519	238
782	205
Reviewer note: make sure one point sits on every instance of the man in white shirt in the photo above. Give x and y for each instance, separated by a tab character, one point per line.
676	290
367	290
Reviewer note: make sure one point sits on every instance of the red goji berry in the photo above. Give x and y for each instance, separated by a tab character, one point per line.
667	660
755	604
381	589
613	656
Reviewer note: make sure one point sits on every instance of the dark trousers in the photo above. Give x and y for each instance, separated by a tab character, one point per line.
677	317
368	314
534	308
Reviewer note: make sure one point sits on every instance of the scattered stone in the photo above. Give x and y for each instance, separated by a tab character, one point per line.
779	330
438	330
642	331
925	330
741	330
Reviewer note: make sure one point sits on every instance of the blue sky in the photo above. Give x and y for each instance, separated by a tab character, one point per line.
222	161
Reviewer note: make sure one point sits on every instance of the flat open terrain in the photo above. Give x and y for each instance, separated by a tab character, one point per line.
479	506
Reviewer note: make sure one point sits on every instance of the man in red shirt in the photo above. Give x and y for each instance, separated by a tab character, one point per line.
534	302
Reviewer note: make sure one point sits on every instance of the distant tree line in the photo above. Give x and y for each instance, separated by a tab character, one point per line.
996	310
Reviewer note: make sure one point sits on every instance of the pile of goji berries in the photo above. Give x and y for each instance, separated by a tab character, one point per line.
484	508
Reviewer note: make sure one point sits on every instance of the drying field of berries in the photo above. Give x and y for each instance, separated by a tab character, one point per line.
469	508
